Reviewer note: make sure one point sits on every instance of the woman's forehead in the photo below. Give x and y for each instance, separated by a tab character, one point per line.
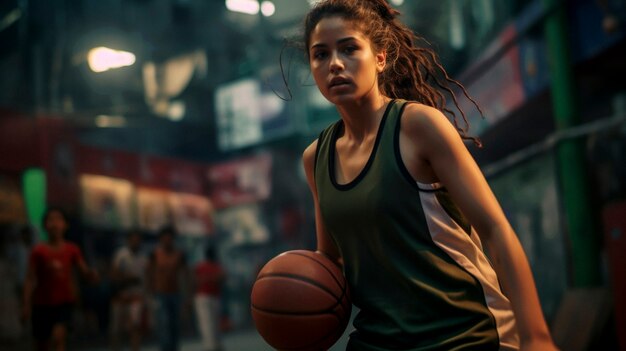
335	28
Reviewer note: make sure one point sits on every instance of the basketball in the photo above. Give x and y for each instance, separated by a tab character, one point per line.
300	301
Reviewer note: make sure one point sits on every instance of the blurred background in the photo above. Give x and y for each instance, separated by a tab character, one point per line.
141	113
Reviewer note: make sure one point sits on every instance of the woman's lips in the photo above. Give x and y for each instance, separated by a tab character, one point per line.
338	82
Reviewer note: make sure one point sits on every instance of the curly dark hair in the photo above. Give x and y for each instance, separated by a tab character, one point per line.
413	71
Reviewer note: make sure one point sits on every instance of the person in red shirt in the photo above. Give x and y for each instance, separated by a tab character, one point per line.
209	277
49	290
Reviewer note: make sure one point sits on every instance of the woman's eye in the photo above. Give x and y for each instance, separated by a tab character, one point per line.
350	49
319	55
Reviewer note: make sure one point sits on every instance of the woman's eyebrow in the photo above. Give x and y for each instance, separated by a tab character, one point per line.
339	41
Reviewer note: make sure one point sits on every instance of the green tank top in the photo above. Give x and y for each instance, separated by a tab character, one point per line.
415	267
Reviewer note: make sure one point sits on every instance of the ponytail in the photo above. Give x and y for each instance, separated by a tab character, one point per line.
383	9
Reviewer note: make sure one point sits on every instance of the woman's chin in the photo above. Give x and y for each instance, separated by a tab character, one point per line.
341	99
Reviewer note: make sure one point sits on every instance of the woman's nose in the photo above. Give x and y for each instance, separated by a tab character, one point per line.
336	64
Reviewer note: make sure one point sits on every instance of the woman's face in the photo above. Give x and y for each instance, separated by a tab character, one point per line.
56	225
343	62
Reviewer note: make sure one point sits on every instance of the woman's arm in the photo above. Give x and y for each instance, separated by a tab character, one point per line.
438	144
325	243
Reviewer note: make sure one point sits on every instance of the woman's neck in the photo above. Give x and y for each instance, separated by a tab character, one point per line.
362	118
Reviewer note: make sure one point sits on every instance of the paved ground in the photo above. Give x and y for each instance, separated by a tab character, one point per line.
245	340
248	340
240	340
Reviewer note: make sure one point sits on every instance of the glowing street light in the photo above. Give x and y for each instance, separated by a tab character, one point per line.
268	8
251	7
102	59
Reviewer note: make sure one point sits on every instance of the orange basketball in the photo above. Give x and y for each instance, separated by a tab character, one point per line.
300	301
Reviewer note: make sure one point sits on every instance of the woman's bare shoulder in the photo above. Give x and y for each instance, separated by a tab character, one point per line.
426	125
308	157
420	118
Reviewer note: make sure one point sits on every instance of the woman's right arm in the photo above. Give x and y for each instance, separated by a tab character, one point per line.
325	243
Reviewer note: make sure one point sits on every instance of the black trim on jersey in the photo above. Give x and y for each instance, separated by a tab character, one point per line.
396	149
370	160
429	190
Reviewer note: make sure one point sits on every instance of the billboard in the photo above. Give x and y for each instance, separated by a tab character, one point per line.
153	211
249	112
107	202
192	214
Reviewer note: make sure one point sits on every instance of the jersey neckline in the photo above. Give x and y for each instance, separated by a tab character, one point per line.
332	150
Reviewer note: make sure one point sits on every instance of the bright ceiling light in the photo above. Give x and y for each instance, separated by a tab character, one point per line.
267	8
102	59
250	7
397	2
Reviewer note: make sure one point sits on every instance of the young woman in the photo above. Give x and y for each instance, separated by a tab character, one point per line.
49	290
399	200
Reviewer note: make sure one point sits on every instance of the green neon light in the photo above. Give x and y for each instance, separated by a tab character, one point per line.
34	190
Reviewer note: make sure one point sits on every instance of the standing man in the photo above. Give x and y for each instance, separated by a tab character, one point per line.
129	304
166	269
49	290
209	277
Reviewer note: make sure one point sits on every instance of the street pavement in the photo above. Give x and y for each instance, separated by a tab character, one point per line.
247	340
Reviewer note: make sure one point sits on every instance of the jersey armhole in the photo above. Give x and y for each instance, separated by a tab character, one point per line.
423	187
396	147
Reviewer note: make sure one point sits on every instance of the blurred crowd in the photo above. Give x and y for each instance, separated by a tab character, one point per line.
50	296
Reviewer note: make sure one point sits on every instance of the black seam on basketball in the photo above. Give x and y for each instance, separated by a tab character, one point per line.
299	277
339	300
312	282
300	313
342	287
321	264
